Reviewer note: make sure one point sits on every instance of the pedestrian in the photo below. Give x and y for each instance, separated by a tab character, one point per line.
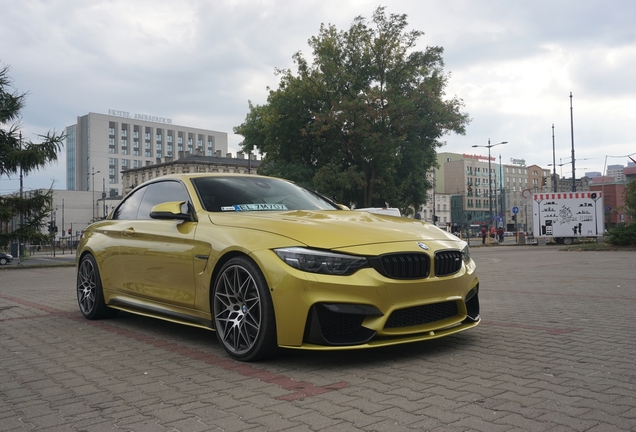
493	232
484	233
500	233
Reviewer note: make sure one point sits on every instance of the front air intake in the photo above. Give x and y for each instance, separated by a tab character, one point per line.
405	266
447	262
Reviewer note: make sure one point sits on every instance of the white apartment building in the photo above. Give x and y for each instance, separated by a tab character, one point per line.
616	171
100	146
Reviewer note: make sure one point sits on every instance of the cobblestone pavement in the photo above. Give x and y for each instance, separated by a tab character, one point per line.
555	352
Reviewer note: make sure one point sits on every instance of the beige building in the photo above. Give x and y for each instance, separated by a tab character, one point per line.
469	179
190	164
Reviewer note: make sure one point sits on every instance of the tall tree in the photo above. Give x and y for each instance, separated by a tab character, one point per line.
362	122
19	157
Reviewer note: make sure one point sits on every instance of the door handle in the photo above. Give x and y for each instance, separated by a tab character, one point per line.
129	231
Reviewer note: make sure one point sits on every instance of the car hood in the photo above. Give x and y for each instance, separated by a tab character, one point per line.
333	229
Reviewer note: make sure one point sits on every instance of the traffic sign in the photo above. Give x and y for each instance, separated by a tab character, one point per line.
515	210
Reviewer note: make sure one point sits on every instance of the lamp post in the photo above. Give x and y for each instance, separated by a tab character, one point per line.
554	184
572	133
93	187
502	196
489	146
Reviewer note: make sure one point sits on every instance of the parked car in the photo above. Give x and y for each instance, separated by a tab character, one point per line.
391	211
5	258
266	264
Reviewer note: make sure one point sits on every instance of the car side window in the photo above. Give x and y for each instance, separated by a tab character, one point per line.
161	192
128	209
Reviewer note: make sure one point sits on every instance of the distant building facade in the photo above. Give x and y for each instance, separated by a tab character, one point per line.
616	171
190	164
99	147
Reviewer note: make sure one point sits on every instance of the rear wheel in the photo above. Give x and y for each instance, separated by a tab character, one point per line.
90	297
243	311
3	261
568	240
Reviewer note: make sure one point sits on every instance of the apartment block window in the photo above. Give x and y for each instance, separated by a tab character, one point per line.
112	170
124	130
136	151
111	131
125	164
137	164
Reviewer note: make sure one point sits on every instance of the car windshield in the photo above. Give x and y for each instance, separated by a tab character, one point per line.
234	194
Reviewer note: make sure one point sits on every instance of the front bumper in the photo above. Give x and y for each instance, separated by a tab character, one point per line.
365	309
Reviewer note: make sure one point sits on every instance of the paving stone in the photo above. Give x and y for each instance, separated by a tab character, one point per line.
547	357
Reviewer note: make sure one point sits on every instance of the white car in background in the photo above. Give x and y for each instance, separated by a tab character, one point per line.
391	211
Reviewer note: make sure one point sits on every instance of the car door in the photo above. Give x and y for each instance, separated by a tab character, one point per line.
156	256
110	237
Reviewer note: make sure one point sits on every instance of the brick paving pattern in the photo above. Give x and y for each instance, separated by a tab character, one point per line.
556	351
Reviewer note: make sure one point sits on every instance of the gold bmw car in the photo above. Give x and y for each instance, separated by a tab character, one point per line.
268	264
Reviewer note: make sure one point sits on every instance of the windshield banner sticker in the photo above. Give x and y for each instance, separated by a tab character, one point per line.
254	207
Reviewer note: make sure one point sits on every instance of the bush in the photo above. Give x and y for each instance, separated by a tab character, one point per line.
623	235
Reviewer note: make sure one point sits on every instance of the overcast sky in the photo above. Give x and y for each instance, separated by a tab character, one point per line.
514	64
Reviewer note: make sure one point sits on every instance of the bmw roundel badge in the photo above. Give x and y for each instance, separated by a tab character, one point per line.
422	245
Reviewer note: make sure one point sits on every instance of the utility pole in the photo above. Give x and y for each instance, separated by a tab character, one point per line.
20	251
572	133
104	196
554	182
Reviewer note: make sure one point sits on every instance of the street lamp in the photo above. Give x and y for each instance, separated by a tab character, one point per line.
489	146
93	187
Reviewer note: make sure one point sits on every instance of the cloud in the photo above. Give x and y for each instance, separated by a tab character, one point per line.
199	62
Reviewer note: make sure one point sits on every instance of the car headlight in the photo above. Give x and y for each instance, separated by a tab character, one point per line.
316	261
466	254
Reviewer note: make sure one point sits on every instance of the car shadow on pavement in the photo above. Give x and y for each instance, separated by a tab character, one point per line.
163	333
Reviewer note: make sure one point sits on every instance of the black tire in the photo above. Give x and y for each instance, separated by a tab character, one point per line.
3	261
568	241
90	297
243	311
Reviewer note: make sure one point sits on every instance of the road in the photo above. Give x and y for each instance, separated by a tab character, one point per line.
555	352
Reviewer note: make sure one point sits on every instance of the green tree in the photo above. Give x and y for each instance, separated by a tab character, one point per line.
630	199
362	122
19	158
